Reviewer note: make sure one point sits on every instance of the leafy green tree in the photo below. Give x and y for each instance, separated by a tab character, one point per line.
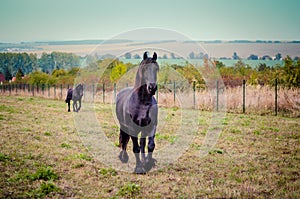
128	55
291	72
38	78
19	76
117	72
219	64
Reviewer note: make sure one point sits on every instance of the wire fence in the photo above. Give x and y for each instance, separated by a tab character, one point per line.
242	99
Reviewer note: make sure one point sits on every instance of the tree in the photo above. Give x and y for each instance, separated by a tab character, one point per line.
278	56
137	56
173	56
235	56
262	67
253	57
219	64
19	76
128	55
192	55
291	72
117	72
46	63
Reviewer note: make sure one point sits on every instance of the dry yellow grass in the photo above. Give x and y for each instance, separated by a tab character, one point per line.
42	155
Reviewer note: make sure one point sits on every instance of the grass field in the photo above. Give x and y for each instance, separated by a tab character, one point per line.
41	155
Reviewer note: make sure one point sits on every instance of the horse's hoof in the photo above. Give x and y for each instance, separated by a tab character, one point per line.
124	156
150	164
139	170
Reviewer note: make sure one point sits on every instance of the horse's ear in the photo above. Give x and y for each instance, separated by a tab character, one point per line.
145	55
154	56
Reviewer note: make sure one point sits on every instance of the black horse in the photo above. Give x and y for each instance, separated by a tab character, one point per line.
136	110
75	95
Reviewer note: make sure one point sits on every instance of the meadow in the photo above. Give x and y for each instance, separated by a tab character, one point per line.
42	155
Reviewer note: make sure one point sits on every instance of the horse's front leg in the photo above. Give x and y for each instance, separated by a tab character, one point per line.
143	145
151	147
150	161
79	101
139	169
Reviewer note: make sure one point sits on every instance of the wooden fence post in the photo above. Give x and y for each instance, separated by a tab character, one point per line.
217	87
32	89
103	93
115	92
61	91
194	93
93	92
174	91
54	90
43	89
276	96
244	96
84	87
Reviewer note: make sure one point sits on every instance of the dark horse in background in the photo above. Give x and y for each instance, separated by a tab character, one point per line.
136	110
75	95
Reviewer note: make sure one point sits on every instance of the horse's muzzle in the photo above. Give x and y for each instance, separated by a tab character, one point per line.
143	122
152	88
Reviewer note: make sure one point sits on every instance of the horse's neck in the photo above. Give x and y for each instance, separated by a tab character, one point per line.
138	81
142	95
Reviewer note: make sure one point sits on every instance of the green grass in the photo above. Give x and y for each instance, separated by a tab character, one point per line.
129	190
42	156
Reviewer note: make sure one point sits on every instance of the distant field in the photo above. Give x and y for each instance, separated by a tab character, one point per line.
244	50
41	155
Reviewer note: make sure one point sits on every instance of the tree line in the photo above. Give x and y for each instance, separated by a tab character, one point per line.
24	63
62	68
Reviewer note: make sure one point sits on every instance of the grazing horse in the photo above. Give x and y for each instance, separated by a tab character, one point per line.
136	110
75	95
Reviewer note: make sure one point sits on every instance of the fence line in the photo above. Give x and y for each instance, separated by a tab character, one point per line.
243	99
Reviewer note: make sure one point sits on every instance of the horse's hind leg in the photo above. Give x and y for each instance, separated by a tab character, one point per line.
69	106
74	104
123	141
79	101
75	109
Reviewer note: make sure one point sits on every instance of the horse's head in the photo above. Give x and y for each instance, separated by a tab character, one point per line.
147	73
79	90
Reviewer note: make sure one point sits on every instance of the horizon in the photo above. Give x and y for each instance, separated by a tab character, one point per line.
127	40
77	20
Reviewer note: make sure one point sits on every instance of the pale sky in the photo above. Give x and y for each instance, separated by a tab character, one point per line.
50	20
